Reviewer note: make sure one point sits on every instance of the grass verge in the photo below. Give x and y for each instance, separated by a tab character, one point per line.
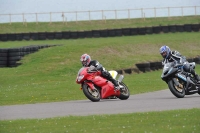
49	75
95	24
175	121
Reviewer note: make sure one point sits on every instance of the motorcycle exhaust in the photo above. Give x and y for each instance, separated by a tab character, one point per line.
121	77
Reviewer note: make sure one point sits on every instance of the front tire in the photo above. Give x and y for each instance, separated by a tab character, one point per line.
124	92
93	95
176	92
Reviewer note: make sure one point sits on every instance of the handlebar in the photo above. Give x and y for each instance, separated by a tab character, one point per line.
91	70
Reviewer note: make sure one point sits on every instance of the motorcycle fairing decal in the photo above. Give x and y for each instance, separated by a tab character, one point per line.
170	70
113	74
180	67
182	77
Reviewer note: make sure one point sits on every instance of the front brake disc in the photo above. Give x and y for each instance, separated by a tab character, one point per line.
179	87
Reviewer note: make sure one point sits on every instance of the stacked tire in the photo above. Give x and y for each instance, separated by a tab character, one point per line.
143	67
197	60
11	57
14	55
3	57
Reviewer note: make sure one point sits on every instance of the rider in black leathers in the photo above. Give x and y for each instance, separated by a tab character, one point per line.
87	62
175	56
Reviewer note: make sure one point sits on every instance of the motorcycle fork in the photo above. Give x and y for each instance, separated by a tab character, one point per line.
176	82
91	85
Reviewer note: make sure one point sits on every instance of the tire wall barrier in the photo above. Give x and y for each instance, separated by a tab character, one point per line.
9	57
151	66
3	57
100	33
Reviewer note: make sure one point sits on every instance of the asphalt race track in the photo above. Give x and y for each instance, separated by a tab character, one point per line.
153	101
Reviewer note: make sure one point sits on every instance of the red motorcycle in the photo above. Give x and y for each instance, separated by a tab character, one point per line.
96	87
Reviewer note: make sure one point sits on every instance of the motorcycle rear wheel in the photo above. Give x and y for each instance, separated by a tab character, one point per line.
124	92
93	95
176	92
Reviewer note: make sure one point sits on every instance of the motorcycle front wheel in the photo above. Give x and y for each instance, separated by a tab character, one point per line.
93	95
124	92
176	91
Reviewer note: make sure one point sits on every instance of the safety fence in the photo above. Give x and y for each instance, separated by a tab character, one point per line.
100	33
100	14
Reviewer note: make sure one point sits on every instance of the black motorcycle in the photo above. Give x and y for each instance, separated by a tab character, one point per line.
179	82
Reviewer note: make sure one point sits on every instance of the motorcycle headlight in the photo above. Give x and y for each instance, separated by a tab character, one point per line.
79	78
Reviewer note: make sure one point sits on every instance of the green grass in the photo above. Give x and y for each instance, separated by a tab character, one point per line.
49	75
95	25
175	121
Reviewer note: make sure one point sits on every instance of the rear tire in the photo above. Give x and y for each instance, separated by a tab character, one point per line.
175	92
199	90
124	93
93	95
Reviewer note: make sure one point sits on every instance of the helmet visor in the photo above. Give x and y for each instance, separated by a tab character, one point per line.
84	63
164	54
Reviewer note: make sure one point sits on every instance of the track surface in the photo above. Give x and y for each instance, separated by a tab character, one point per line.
153	101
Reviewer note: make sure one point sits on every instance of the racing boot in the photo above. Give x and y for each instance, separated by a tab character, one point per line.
116	84
195	76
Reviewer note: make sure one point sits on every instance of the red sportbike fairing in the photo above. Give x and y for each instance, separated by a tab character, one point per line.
95	87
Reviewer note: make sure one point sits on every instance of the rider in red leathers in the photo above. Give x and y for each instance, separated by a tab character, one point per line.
87	62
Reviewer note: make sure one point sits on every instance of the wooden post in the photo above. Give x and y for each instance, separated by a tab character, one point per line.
168	12
115	14
102	15
89	15
141	12
63	17
182	11
50	17
36	18
76	16
10	19
23	17
154	12
129	14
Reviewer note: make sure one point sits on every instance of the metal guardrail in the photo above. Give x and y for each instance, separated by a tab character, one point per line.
101	14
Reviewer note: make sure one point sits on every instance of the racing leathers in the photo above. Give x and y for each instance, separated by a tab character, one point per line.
104	72
175	56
